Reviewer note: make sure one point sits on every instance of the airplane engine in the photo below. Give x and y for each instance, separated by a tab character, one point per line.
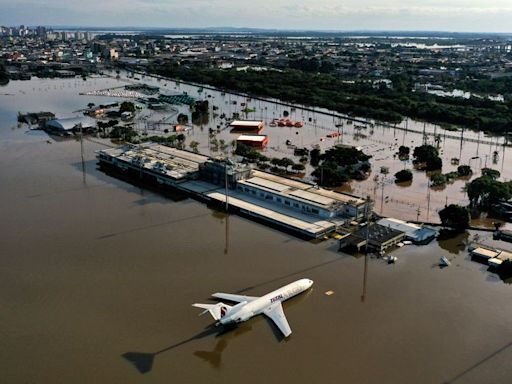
244	317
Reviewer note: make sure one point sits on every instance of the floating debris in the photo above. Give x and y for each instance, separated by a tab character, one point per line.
444	262
392	259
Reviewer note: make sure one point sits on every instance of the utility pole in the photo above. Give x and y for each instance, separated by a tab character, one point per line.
365	273
226	183
226	247
428	199
82	152
382	196
81	142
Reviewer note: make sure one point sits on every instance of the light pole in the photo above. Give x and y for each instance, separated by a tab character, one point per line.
365	273
226	183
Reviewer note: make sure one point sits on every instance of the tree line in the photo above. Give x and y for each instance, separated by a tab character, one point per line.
360	98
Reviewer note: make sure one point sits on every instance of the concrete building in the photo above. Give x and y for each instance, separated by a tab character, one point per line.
492	257
416	233
302	197
379	237
256	141
253	126
289	204
165	165
216	171
503	234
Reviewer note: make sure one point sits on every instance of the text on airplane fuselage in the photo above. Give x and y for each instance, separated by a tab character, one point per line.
276	298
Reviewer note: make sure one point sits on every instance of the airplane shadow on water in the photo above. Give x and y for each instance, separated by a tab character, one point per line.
143	361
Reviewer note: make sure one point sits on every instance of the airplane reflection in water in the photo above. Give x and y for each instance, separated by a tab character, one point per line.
249	306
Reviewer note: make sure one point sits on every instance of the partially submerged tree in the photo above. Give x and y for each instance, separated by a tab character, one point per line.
403	175
429	155
464	170
455	216
492	173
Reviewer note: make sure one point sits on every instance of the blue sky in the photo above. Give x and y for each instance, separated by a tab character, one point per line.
435	15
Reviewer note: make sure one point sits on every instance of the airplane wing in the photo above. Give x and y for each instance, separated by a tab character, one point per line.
276	314
235	298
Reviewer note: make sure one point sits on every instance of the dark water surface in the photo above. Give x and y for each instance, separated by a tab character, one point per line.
97	277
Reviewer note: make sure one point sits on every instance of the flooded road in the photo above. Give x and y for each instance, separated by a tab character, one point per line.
97	278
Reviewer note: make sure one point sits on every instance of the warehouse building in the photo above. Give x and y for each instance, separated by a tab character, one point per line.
247	126
70	124
255	141
413	232
379	238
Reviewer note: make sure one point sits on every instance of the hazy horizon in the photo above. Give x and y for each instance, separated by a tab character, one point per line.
472	16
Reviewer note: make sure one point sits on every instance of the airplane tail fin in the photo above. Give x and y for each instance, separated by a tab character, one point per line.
216	310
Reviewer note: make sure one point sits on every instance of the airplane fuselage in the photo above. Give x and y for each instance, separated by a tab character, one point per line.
245	310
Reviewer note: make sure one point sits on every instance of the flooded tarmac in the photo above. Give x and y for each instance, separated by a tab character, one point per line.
97	278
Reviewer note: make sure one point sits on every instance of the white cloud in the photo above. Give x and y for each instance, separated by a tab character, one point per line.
468	15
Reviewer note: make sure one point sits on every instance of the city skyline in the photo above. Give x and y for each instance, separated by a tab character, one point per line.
398	15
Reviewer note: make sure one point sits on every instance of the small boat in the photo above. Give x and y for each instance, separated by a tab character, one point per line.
444	262
392	259
298	124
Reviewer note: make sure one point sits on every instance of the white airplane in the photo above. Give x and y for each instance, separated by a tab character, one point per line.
249	306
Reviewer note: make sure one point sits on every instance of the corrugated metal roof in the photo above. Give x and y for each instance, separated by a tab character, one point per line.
313	197
71	122
343	197
267	184
282	180
400	225
252	137
246	123
485	252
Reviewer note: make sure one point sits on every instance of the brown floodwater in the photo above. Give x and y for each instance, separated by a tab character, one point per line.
97	278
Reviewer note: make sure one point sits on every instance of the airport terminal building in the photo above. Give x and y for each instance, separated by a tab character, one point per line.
301	196
288	203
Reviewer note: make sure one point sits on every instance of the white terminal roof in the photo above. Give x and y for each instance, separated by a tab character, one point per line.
313	197
267	184
168	161
287	191
246	123
297	184
252	137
